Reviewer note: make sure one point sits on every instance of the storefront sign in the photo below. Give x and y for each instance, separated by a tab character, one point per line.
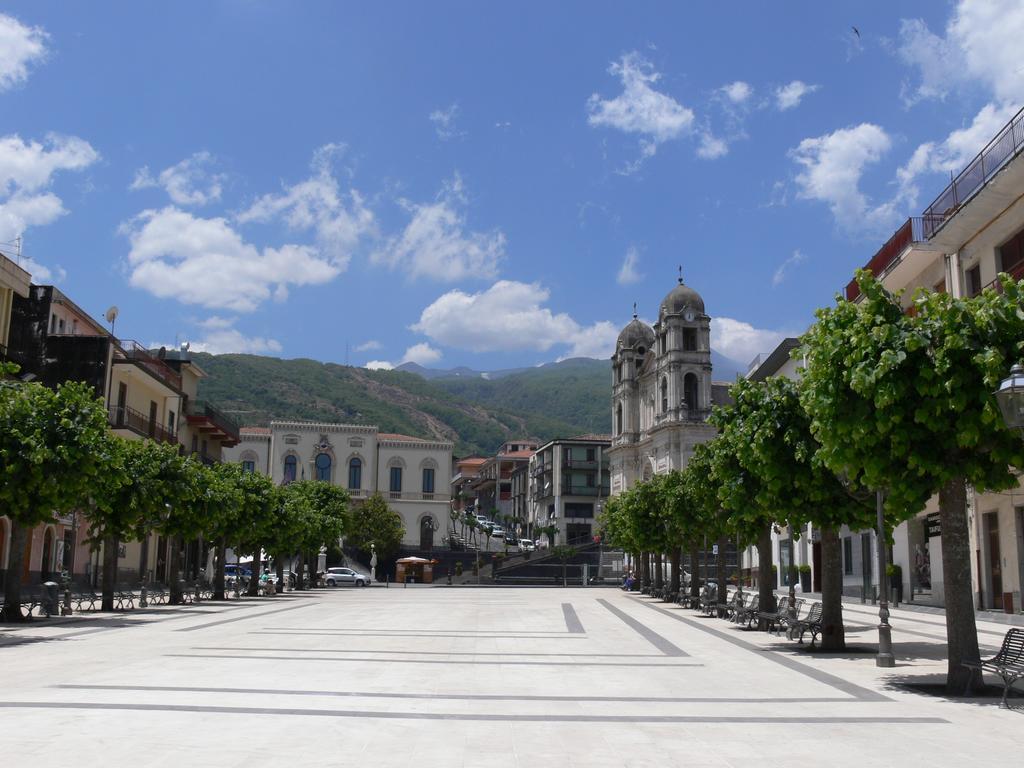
932	526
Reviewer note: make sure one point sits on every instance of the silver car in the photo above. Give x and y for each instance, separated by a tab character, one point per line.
339	577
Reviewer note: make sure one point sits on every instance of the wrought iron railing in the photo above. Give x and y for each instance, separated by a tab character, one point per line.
140	355
1006	144
204	409
122	417
912	231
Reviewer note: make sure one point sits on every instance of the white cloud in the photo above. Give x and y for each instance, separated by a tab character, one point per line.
379	365
27	168
444	121
784	268
740	341
981	45
509	316
435	243
711	147
340	221
789	96
204	261
737	92
221	337
629	272
20	47
41	274
832	166
186	183
369	346
421	354
640	109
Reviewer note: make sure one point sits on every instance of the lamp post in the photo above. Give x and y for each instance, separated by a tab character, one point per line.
885	656
1010	397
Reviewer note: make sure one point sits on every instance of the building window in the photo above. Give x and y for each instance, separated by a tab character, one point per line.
291	465
974	280
848	555
591	479
170	422
573	509
1011	253
691	392
428	480
323	467
618	419
60	325
664	395
591	454
690	339
195	443
355	474
395	485
249	466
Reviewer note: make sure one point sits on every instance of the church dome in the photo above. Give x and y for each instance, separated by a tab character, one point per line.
637	333
681	297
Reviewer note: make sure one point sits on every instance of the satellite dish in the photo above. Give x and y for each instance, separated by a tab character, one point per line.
111	316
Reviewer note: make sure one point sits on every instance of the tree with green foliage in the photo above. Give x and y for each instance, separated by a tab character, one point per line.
185	481
697	508
52	447
377	524
903	403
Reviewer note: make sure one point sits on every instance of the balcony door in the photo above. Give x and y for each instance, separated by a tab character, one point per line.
122	401
995	561
152	419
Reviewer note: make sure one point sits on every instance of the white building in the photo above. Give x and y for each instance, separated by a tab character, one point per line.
662	391
412	474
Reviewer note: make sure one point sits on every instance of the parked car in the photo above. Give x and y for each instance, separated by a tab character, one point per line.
525	545
498	532
338	577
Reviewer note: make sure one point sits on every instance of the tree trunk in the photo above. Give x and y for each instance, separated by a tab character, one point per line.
765	582
674	558
961	630
220	559
312	561
174	566
109	573
300	571
833	633
642	561
12	581
281	586
723	577
257	570
694	569
659	572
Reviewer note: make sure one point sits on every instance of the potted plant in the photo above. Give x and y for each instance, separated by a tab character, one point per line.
805	577
458	567
895	574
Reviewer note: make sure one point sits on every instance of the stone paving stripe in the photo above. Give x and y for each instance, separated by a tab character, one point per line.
572	621
459	660
264	649
857	691
503	636
242	618
484	633
897	620
467	696
641	719
659	642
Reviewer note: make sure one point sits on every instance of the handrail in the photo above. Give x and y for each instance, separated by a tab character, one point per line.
1003	147
206	409
139	354
122	417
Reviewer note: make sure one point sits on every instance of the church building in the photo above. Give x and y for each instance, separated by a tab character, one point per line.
662	392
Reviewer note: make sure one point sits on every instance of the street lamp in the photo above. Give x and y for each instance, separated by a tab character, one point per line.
885	656
1010	397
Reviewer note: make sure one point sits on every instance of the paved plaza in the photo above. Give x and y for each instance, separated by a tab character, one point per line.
476	677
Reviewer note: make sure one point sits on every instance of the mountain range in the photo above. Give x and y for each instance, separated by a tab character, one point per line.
476	410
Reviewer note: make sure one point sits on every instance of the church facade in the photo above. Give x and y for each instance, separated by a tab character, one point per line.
662	390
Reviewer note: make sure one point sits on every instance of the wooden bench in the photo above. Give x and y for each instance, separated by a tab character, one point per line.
1008	663
809	623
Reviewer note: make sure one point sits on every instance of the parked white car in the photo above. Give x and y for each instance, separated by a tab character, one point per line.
525	545
339	577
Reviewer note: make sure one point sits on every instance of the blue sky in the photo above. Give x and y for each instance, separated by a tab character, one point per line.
472	184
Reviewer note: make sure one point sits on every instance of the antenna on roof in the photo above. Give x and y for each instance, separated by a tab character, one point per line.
634	310
111	316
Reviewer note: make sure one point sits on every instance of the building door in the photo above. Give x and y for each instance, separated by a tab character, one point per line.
816	567
995	571
122	402
427	533
865	563
47	560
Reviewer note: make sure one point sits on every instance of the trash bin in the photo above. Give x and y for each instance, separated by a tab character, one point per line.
51	605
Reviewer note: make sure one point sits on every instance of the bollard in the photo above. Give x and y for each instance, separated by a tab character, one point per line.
50	599
66	609
143	602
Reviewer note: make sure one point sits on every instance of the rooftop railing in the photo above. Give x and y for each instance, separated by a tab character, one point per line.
1006	144
219	419
912	231
138	354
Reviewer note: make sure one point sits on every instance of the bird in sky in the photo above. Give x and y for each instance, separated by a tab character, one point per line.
856	32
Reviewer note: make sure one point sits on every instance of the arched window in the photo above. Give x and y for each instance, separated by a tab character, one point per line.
618	419
323	467
291	465
664	395
355	473
691	392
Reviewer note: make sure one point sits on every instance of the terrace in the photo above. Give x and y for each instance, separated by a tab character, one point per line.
212	422
137	354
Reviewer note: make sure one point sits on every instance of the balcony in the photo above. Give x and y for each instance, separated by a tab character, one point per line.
579	464
585	490
414	496
996	154
911	232
1017	273
140	424
140	356
207	419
